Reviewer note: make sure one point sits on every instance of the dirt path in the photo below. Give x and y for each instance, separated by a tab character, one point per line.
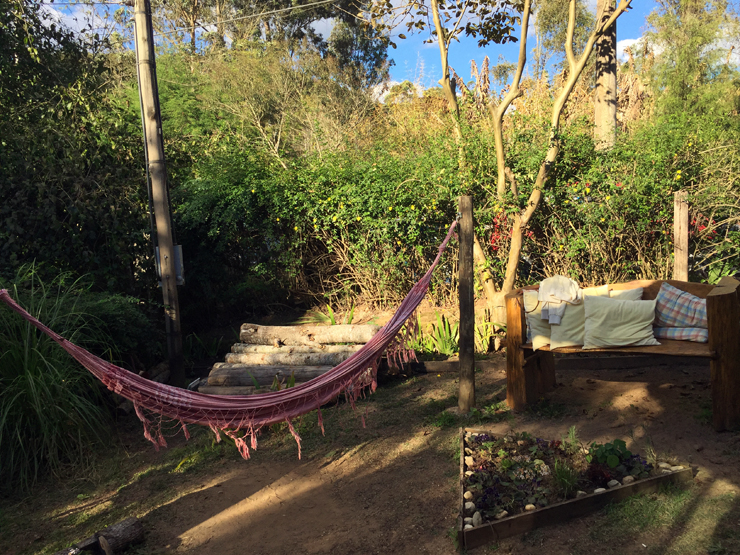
391	486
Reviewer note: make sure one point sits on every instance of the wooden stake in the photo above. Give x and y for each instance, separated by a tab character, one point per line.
680	236
466	394
153	143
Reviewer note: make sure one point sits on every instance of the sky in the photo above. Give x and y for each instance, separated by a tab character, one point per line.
420	63
415	61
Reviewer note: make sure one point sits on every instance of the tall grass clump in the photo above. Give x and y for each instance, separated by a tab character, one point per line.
51	408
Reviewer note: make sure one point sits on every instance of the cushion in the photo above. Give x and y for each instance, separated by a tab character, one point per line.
678	309
615	323
700	335
538	330
569	333
626	294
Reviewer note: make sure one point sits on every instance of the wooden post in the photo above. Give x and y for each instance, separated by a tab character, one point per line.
605	100
723	315
680	236
466	394
154	146
517	385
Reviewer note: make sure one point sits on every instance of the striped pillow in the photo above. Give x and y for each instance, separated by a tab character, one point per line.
677	309
699	335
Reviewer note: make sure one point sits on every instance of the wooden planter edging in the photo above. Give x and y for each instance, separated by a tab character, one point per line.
552	514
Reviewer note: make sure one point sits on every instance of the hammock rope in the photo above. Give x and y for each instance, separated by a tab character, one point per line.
241	417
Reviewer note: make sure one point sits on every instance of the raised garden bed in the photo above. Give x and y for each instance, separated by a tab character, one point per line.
515	483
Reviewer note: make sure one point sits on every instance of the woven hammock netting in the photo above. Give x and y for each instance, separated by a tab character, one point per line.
241	417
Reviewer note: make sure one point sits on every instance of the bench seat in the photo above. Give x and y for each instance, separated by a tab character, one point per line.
531	374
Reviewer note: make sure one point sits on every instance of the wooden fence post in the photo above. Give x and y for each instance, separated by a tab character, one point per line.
680	236
466	392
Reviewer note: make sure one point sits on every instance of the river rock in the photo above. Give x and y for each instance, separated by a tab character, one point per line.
599	490
664	465
468	495
613	483
477	519
529	507
469	473
628	480
469	507
468	527
469	462
468	451
468	520
676	468
502	514
581	493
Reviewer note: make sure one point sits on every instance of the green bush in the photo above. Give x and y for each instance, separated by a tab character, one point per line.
51	409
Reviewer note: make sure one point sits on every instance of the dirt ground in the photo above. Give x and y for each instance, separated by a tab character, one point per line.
392	486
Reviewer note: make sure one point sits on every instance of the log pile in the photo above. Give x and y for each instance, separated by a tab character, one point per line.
271	355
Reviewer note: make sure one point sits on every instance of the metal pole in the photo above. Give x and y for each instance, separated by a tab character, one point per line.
154	146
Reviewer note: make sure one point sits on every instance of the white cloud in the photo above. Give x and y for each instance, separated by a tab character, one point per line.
625	43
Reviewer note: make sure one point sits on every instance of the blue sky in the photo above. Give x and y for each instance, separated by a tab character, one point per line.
420	63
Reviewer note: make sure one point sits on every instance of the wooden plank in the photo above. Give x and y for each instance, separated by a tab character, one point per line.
224	374
306	335
680	236
466	291
561	512
287	359
668	347
520	385
270	349
723	313
451	365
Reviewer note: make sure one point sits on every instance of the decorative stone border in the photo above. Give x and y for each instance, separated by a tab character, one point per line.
553	514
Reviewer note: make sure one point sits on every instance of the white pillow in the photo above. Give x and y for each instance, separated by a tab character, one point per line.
570	331
615	323
626	294
538	330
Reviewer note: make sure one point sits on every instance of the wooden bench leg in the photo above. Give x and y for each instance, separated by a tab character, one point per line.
723	313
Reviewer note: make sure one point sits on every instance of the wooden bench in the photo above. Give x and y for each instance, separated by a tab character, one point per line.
530	374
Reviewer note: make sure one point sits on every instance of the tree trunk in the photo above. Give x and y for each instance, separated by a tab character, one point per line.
605	96
306	335
118	537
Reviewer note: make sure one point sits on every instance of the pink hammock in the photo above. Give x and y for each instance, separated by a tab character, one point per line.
242	416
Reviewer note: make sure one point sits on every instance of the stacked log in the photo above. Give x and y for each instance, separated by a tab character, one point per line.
283	353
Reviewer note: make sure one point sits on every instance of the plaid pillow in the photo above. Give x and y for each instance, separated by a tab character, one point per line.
700	335
677	309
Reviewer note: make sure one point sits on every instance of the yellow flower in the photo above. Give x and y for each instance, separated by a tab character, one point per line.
561	247
295	228
588	190
608	197
602	219
390	208
567	201
334	219
253	190
316	227
277	219
689	144
358	218
314	220
341	205
413	207
398	241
